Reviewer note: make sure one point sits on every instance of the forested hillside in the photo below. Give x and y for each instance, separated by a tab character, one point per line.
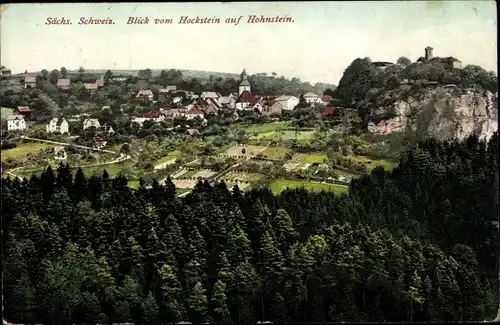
419	243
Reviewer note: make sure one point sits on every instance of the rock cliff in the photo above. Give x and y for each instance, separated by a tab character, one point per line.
444	112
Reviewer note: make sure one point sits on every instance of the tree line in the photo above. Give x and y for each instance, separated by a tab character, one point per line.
418	243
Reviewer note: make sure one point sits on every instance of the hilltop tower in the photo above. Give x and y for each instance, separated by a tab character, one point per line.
244	84
428	53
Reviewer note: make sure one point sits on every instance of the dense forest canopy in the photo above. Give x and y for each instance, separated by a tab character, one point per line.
419	243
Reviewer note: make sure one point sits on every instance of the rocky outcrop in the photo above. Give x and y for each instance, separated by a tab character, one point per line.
440	112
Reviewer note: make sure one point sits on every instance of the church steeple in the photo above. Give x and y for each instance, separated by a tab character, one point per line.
244	75
244	84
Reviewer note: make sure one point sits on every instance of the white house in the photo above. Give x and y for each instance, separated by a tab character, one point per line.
312	98
91	122
288	102
57	126
145	93
155	116
16	123
210	94
60	153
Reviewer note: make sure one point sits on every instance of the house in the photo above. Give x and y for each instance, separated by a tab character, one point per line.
106	129
228	101
99	142
272	109
91	87
24	111
174	113
155	116
325	99
450	62
210	94
145	93
29	81
193	112
193	133
171	88
55	125
100	82
312	98
106	107
16	123
60	153
91	122
382	65
63	83
245	101
288	102
119	79
329	111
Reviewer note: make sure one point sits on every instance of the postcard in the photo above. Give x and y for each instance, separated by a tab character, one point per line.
250	162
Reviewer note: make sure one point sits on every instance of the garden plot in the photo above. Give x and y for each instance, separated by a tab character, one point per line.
246	151
205	173
180	173
241	185
242	177
184	183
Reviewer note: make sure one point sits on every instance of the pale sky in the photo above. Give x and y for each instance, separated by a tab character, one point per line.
323	40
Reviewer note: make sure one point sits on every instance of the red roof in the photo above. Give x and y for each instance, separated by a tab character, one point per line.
100	140
153	114
326	98
193	111
246	97
329	111
23	109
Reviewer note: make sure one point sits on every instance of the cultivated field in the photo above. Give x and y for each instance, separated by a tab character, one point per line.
184	183
242	177
205	173
279	185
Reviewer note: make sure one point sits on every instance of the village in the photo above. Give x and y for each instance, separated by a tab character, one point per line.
242	138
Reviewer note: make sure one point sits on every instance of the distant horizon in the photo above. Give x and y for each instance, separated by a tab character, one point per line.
323	39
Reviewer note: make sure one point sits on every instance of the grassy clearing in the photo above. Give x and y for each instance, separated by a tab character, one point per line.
275	153
297	135
266	127
309	158
23	149
373	163
279	185
5	111
263	135
171	155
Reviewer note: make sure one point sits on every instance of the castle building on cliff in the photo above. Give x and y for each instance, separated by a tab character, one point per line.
450	62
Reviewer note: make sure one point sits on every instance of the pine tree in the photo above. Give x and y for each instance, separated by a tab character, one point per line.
198	304
219	303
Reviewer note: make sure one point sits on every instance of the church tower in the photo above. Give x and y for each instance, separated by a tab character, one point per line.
244	84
